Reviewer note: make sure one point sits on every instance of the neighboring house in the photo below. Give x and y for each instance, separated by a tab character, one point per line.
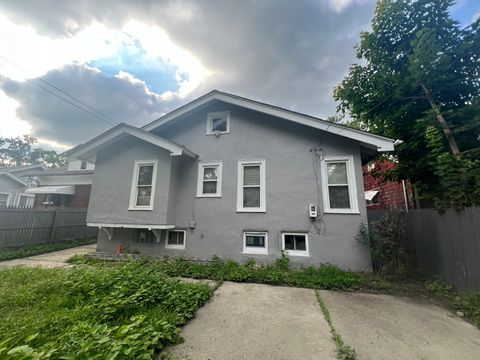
228	176
14	183
67	186
381	194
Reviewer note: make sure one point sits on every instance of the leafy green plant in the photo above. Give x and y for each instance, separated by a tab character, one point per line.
458	175
128	311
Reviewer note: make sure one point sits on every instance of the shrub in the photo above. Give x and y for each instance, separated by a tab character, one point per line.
386	240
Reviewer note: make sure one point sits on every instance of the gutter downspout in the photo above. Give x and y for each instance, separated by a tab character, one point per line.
405	196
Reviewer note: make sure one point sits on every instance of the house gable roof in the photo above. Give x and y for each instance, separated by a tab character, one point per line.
88	150
13	177
376	142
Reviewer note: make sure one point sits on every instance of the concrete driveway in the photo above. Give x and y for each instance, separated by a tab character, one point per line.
250	321
390	327
53	259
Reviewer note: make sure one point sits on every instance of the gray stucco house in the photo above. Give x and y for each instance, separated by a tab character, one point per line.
228	176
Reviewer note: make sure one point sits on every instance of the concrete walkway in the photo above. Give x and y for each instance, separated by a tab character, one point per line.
53	259
389	327
250	321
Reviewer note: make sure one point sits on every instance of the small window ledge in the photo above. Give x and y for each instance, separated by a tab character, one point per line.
141	209
342	212
251	211
296	253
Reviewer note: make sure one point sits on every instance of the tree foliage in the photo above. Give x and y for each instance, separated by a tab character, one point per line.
17	151
419	71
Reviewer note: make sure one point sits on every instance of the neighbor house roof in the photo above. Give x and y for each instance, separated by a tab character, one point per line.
377	142
62	170
88	150
13	177
14	169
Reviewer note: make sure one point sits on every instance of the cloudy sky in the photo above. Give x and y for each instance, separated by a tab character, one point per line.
134	61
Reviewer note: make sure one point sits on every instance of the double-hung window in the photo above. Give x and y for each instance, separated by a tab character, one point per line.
339	186
175	239
218	123
295	244
143	185
255	242
209	179
251	186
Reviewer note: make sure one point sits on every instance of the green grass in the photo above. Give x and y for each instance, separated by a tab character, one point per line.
31	250
277	273
344	351
128	311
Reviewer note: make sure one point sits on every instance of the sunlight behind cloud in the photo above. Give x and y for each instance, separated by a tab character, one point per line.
22	44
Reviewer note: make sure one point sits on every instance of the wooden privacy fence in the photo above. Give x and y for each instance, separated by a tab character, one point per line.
20	226
445	245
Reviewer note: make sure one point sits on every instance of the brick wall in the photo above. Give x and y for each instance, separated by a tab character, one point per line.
390	193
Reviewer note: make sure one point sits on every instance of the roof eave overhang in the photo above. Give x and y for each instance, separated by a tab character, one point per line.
88	151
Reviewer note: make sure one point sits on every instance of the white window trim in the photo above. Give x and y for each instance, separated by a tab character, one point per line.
9	196
211	116
296	252
263	191
176	247
133	189
201	167
27	196
255	250
352	185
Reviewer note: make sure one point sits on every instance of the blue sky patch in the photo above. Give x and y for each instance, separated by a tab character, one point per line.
464	11
158	74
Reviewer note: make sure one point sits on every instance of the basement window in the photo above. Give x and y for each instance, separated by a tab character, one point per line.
218	123
295	244
175	239
145	236
255	242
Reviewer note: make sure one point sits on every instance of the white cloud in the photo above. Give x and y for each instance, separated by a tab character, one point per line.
340	5
37	54
11	125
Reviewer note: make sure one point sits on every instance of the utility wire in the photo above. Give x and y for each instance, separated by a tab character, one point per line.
95	113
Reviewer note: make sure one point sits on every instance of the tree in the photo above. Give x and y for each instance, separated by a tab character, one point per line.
419	70
20	151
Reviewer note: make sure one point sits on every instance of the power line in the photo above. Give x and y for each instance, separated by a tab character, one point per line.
95	113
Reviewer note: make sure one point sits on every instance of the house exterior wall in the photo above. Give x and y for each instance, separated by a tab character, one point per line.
112	182
290	188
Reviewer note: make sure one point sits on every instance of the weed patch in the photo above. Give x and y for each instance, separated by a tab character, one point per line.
344	351
465	304
31	250
278	273
129	311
